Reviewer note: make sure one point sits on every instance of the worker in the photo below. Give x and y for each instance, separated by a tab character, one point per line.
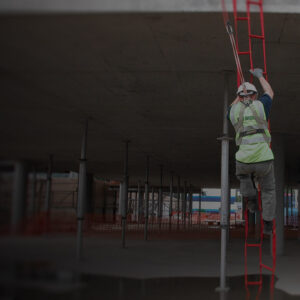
249	116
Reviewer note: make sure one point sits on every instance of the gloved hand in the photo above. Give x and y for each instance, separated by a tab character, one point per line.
257	72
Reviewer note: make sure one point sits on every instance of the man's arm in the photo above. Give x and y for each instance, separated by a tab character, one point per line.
258	73
266	87
236	100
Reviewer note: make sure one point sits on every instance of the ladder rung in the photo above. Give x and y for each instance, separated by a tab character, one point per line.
254	2
253	245
254	282
254	36
244	53
242	18
267	267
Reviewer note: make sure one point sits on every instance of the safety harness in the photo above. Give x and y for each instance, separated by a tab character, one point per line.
242	131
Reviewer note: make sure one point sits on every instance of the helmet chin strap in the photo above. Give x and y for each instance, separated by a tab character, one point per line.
247	101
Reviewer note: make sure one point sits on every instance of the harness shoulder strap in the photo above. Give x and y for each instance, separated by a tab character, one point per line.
259	119
239	125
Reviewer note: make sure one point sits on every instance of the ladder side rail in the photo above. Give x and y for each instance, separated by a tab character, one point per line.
249	38
262	37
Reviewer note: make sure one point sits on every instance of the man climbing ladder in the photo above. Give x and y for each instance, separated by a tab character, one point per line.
254	159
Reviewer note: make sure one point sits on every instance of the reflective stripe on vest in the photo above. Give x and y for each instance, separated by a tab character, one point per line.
254	119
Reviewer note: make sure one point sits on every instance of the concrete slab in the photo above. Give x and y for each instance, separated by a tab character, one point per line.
47	6
146	260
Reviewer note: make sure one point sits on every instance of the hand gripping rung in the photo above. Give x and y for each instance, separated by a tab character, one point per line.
253	245
254	282
267	267
255	36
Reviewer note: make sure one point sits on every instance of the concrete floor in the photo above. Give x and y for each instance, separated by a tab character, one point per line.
33	257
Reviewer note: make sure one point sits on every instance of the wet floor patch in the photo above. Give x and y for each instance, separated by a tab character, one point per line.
42	282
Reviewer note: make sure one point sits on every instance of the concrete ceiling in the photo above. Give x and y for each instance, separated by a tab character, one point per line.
155	79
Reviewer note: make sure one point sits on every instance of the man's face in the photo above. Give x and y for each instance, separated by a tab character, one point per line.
252	97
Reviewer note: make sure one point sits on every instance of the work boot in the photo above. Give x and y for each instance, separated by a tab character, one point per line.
268	227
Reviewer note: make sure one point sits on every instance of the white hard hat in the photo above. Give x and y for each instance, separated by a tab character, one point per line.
251	89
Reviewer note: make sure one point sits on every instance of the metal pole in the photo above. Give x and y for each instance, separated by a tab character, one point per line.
146	200
125	195
49	184
171	202
82	190
224	190
178	201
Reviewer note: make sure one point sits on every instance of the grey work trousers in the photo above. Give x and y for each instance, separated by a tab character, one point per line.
263	173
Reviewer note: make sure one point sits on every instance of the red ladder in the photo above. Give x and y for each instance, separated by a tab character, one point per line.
261	36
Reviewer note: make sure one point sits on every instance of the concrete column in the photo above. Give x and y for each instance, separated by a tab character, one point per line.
135	207
49	185
32	203
152	204
298	213
124	202
171	201
160	197
279	168
146	200
82	192
199	206
104	203
285	207
191	204
184	202
120	198
140	202
293	207
178	201
18	196
115	206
